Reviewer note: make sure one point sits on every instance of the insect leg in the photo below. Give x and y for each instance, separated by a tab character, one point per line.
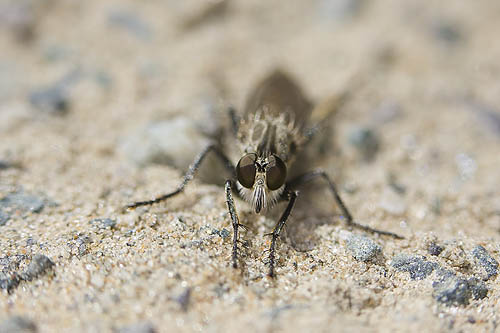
188	176
292	196
234	219
309	176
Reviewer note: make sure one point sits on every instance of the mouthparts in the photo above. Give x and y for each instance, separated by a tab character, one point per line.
259	199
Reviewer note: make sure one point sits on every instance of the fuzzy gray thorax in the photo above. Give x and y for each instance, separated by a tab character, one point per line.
265	132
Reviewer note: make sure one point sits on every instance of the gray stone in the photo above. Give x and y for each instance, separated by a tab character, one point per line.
338	10
4	217
173	142
130	22
39	265
184	299
19	18
363	248
486	261
10	282
478	288
450	289
141	327
366	141
18	324
104	223
10	278
212	11
22	202
487	115
418	267
80	245
434	249
224	233
4	165
447	31
55	98
50	100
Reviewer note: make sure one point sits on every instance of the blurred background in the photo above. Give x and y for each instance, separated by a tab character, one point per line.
105	102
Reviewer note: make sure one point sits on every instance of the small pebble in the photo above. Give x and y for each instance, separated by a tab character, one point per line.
337	10
175	142
395	185
10	283
453	290
18	324
366	141
489	116
4	217
55	98
184	299
22	202
363	248
19	18
478	288
50	100
104	223
39	265
4	165
417	266
486	261
211	11
466	165
81	243
224	233
130	22
446	31
142	327
434	249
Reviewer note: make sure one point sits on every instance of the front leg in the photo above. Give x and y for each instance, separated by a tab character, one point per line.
234	218
193	168
292	196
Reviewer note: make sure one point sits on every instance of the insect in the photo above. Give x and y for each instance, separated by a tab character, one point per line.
273	128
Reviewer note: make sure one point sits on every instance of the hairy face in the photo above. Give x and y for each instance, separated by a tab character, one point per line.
261	179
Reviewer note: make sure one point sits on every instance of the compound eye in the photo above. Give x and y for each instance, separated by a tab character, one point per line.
275	173
246	169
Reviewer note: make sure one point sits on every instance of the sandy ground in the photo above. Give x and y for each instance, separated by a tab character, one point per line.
80	82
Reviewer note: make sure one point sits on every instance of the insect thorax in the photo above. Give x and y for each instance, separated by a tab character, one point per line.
268	132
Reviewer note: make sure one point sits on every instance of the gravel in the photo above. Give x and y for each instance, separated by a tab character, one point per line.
11	278
104	223
486	261
434	249
418	267
363	248
39	265
451	289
